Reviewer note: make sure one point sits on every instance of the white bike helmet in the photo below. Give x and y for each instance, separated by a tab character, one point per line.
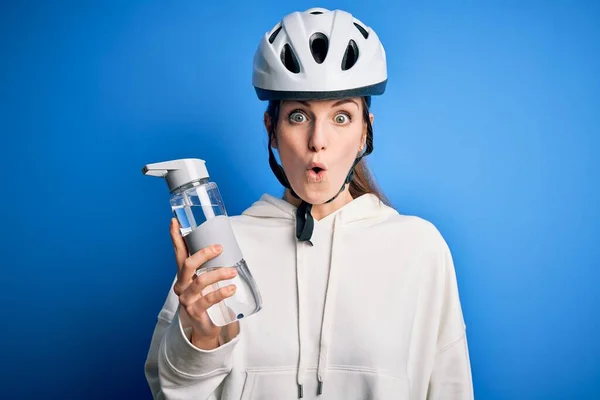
318	54
312	55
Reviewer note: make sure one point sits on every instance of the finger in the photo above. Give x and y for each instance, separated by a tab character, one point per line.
187	273
194	290
198	309
207	253
192	263
181	251
213	298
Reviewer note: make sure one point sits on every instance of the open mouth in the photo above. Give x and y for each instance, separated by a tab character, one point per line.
316	173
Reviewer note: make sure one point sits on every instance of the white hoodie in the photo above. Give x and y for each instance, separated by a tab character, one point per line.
371	311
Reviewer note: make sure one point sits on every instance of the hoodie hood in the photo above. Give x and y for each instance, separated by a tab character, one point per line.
364	209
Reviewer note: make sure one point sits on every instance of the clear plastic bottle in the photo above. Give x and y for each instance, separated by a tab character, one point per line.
199	208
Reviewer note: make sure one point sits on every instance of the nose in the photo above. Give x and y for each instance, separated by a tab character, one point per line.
318	137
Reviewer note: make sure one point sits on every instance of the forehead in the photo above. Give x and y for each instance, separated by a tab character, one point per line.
325	104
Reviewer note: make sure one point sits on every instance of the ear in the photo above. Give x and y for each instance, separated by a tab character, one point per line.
363	139
268	124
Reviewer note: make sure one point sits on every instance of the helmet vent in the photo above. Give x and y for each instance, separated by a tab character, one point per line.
288	58
317	12
274	34
350	56
319	46
362	30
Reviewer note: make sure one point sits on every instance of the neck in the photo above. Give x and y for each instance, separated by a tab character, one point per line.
320	211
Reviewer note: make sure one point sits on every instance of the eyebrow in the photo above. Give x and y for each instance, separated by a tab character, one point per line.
344	101
337	104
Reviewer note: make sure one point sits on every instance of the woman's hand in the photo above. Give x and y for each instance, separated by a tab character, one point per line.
189	288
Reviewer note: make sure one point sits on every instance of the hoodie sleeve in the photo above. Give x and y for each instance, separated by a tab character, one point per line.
175	368
451	376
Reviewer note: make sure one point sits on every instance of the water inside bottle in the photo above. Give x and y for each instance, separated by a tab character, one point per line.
245	302
192	216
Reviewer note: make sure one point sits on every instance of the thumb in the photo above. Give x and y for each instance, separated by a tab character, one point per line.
181	251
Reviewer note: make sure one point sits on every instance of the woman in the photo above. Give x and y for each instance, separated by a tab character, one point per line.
359	302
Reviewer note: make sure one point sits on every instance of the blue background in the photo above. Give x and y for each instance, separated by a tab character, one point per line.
489	129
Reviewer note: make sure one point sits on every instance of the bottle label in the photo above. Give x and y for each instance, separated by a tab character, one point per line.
216	230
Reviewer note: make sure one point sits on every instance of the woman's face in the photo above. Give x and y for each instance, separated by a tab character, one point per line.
317	142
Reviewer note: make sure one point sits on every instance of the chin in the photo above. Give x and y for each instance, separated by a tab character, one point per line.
316	194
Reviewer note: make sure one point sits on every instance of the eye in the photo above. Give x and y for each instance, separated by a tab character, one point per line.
342	118
297	117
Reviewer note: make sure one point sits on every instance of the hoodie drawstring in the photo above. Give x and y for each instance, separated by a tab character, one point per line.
301	362
329	304
330	298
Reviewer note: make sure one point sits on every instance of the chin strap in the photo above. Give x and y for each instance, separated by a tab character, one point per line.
304	219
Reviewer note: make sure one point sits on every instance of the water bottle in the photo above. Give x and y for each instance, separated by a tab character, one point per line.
197	205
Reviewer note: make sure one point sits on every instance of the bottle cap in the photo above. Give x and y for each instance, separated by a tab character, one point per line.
178	172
